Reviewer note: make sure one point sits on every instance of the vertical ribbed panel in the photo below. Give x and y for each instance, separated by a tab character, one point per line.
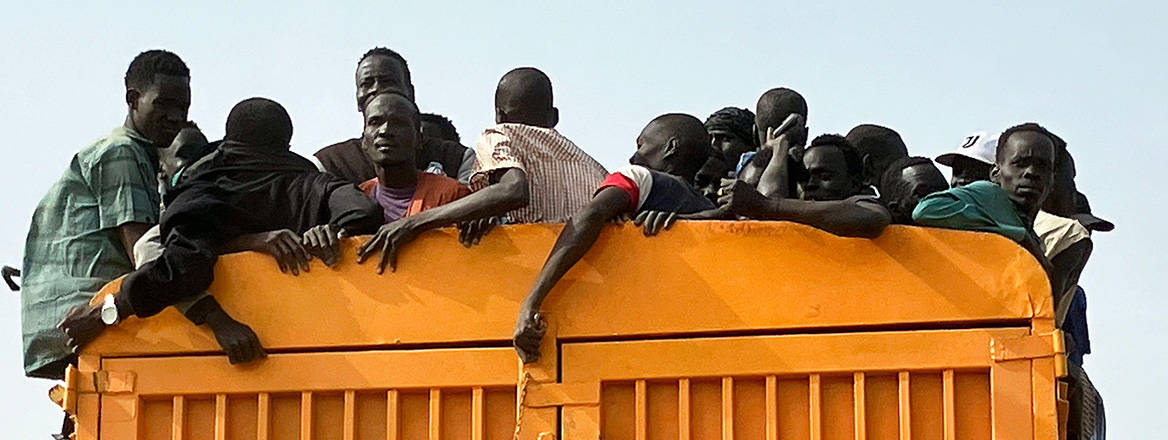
814	399
859	393
683	409
727	408
350	421
221	417
177	416
435	414
391	415
478	418
306	416
905	406
263	408
640	410
772	408
950	405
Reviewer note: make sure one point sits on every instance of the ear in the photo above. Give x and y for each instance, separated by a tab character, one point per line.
555	118
671	147
500	116
995	174
867	161
132	98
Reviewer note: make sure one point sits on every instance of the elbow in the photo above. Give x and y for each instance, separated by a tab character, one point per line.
516	195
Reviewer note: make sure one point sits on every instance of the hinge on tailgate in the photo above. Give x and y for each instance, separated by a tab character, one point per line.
543	395
1032	347
102	382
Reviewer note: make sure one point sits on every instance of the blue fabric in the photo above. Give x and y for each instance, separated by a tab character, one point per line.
1075	325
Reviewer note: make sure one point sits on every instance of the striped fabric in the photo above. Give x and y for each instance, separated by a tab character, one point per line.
73	247
561	177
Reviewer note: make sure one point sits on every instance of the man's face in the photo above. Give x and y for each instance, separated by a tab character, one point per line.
159	111
827	175
1025	169
967	170
730	145
652	149
380	74
391	135
168	157
914	184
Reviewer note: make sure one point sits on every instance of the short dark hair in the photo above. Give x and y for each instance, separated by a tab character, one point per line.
897	166
417	113
1029	126
153	62
851	155
387	52
443	122
775	104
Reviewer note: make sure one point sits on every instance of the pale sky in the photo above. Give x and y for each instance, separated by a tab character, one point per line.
1093	72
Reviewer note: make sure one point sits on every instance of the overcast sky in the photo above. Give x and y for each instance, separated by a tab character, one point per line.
1093	72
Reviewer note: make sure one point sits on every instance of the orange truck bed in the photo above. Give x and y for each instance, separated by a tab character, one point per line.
713	330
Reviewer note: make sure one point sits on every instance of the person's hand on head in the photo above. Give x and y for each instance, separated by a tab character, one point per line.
739	198
781	138
81	324
654	222
324	242
237	339
390	238
285	246
529	331
472	232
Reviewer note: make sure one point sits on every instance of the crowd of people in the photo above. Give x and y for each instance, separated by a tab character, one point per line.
156	201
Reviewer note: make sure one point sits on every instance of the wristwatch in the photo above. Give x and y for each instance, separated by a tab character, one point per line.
109	311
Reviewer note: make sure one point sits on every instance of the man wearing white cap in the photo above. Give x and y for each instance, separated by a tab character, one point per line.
973	160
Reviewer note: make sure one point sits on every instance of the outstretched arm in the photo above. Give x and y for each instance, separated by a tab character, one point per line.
508	194
845	218
575	240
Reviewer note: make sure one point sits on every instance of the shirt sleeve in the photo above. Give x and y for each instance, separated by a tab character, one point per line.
466	170
946	210
493	152
124	193
634	180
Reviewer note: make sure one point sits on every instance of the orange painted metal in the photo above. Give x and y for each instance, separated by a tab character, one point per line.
730	330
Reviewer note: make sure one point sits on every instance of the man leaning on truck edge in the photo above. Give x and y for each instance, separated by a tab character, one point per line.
657	185
83	231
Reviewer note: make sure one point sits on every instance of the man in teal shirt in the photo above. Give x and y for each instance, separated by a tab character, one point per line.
83	231
1006	205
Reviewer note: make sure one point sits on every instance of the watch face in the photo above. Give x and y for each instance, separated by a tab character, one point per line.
109	315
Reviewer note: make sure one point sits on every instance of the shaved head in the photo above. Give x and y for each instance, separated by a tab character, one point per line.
879	147
773	108
524	96
673	143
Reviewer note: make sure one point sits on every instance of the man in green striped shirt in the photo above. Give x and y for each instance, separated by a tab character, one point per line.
83	231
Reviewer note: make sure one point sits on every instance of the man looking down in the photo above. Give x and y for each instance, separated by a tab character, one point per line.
657	185
905	182
84	229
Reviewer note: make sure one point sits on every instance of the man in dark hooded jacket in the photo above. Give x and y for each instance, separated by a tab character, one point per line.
253	183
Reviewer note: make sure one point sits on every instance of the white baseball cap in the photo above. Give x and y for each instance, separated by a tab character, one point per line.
980	146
